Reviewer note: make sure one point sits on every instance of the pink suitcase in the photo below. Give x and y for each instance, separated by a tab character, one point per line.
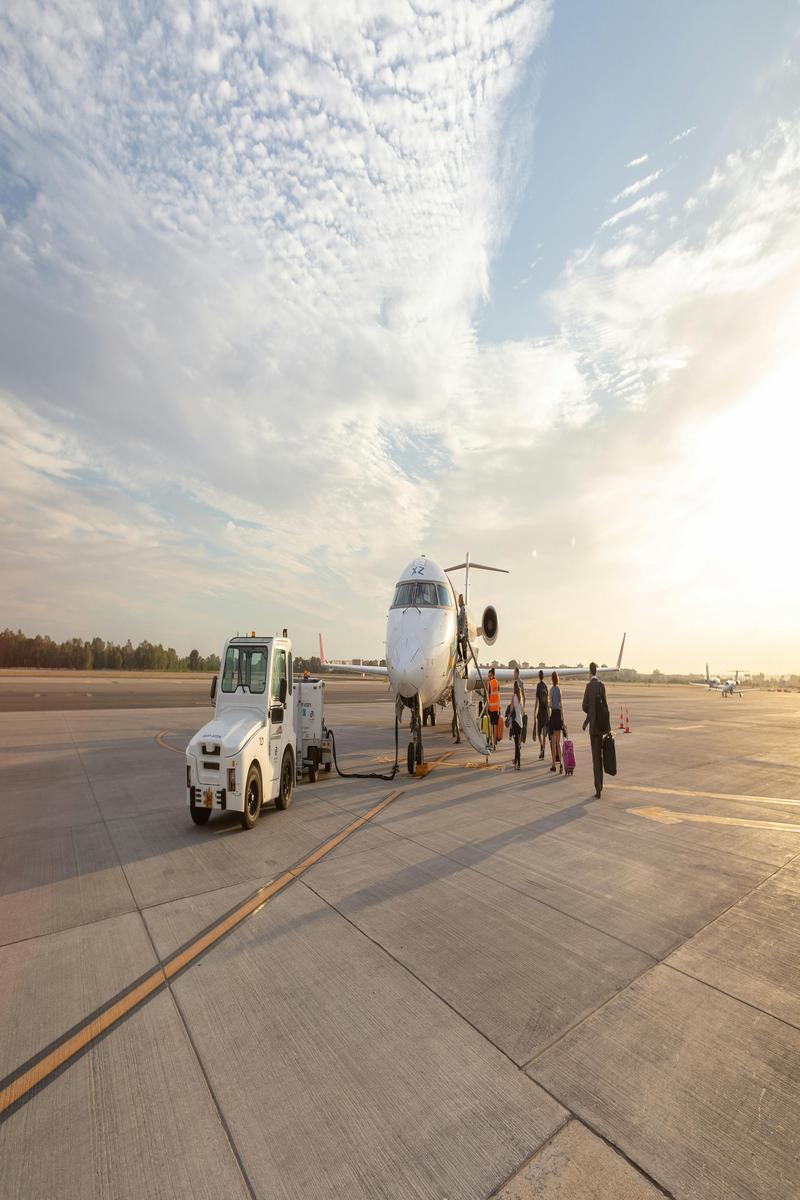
569	757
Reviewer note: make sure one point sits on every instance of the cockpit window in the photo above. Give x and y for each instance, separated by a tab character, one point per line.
404	595
422	594
425	595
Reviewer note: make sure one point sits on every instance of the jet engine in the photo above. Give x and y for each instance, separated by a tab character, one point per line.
488	627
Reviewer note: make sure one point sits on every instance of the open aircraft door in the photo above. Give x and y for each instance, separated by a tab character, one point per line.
468	711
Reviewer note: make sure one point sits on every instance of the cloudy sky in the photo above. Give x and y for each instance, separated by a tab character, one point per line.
290	292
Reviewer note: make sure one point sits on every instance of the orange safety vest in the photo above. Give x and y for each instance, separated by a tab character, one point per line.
493	697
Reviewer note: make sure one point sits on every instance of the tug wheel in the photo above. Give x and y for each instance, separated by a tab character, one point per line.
286	788
252	798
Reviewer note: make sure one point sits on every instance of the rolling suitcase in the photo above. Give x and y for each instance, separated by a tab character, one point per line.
608	747
500	727
524	737
569	757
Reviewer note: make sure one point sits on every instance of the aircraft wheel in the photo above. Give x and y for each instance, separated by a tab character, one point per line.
286	789
419	750
433	715
424	716
252	798
410	758
200	814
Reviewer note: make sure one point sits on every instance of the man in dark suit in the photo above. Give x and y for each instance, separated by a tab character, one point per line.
595	705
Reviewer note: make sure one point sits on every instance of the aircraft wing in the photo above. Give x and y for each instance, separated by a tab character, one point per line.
506	674
379	672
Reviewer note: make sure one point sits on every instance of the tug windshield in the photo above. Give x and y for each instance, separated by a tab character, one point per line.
245	667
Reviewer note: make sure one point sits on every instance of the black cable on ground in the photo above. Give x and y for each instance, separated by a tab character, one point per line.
369	774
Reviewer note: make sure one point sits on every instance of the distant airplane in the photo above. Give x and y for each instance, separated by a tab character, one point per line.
422	663
727	687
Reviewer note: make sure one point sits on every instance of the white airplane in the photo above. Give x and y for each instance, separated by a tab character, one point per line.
422	664
727	687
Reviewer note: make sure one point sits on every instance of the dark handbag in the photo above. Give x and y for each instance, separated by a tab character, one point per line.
609	750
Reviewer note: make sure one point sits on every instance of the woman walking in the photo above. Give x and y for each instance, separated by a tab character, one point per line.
541	717
556	723
515	712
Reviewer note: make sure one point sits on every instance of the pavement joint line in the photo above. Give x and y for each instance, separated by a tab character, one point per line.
663	961
405	967
17	1087
530	1157
662	791
721	991
518	891
521	1067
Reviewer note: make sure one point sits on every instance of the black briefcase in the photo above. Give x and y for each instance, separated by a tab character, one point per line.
609	748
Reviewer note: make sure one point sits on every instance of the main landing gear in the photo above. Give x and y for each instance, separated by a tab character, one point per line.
415	752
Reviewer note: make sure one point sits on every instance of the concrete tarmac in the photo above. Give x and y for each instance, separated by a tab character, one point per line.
497	986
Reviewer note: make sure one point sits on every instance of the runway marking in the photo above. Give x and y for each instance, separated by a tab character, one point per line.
668	817
19	1085
661	791
165	745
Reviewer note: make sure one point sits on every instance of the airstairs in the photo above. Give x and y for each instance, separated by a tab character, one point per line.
468	708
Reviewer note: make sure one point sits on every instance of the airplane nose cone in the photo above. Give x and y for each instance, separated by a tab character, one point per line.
404	666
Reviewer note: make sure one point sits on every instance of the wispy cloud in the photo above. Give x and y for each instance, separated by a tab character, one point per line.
643	204
680	136
638	186
241	254
637	162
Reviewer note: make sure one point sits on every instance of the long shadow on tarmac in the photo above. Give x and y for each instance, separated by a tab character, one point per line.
438	867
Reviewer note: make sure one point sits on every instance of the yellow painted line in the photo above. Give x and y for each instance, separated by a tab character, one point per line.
51	1062
667	816
160	740
160	975
629	787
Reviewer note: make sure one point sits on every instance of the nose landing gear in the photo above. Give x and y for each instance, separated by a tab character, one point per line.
415	752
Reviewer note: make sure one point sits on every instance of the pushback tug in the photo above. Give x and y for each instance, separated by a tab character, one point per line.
266	729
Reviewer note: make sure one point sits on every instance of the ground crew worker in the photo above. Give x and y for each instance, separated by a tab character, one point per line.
493	704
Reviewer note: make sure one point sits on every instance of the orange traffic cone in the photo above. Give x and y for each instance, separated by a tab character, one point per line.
627	721
621	721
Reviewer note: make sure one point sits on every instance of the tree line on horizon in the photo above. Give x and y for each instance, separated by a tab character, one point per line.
95	654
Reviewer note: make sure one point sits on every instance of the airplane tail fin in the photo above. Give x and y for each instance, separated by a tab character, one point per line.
323	660
622	647
466	565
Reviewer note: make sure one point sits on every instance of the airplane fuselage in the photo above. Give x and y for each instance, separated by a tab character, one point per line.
421	634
